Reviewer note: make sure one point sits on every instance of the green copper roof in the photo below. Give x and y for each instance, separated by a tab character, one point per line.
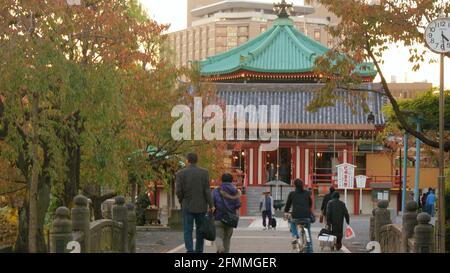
281	49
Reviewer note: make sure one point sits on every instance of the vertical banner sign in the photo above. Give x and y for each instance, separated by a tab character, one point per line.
361	184
346	178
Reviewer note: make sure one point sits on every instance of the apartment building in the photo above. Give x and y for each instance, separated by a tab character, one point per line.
216	26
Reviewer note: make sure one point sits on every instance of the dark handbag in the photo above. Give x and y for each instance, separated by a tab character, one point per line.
207	228
229	217
273	222
313	218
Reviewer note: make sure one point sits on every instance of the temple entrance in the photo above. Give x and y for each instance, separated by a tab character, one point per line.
279	165
325	166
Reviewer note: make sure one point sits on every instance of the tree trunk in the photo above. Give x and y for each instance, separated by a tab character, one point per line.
43	203
72	184
93	192
33	199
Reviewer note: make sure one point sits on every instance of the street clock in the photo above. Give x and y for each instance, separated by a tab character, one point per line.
437	35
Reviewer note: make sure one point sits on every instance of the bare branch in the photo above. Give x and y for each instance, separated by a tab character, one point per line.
12	191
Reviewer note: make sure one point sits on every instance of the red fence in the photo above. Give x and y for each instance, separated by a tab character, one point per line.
331	179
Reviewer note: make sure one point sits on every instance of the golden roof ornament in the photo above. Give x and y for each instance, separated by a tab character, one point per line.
283	9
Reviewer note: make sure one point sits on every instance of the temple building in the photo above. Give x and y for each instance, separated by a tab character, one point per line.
277	68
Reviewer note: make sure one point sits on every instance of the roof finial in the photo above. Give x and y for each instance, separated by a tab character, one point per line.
283	9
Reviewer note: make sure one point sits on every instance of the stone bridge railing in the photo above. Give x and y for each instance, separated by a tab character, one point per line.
77	234
415	235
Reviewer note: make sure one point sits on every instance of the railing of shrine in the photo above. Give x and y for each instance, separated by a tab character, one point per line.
331	179
73	232
414	235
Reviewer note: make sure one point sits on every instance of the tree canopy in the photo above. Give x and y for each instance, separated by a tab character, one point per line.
364	33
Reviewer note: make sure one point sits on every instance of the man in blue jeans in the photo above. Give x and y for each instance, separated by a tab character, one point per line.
301	203
194	194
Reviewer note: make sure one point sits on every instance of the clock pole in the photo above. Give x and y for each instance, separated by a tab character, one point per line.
441	197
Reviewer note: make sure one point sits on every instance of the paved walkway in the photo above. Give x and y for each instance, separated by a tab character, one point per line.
250	237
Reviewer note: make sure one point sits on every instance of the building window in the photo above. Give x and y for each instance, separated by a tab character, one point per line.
317	35
330	44
380	195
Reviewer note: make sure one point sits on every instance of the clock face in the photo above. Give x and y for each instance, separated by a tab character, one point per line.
437	35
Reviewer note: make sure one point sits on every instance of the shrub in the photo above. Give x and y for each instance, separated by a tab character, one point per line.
9	225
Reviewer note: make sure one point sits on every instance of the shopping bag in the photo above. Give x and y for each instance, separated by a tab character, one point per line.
349	233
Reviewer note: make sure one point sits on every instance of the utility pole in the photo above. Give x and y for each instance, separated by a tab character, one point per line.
34	181
436	34
441	196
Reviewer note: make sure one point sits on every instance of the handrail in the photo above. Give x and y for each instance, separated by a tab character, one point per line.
332	179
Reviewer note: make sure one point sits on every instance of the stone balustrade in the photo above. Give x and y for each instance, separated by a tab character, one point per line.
108	235
415	235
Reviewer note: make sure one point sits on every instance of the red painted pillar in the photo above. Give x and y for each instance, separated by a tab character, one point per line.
255	165
356	202
243	209
247	168
293	163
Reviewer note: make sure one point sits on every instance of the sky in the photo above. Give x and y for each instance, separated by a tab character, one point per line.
396	64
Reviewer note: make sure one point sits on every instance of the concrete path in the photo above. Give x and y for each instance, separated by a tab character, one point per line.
250	237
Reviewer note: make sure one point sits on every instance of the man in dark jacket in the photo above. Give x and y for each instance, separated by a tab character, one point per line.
301	203
325	201
336	212
194	194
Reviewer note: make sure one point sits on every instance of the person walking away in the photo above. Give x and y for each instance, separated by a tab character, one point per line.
325	201
301	203
431	201
194	194
272	172
336	212
266	207
424	202
227	196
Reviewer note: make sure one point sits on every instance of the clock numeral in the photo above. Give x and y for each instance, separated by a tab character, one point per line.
430	35
432	40
448	45
432	29
437	45
443	46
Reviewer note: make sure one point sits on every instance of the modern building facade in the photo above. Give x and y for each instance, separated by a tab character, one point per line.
216	26
409	90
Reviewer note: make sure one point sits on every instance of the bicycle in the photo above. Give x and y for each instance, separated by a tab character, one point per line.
301	243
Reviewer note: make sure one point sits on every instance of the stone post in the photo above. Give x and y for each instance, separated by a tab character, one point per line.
107	209
61	232
382	218
120	214
424	234
176	219
81	221
372	226
131	228
409	220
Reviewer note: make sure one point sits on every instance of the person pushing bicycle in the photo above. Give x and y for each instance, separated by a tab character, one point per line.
301	202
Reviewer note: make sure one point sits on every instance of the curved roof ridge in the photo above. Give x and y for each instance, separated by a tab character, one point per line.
255	52
297	43
237	49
